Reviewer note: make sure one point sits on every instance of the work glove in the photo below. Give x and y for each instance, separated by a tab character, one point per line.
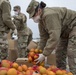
40	59
14	34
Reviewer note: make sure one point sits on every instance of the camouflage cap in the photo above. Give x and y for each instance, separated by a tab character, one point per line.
31	8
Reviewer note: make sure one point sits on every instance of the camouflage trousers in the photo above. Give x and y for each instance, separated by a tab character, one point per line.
22	46
3	46
67	47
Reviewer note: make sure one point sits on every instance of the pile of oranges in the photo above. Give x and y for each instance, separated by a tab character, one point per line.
33	55
16	69
10	68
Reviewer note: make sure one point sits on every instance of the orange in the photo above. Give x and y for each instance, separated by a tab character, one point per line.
59	72
12	71
32	50
20	74
42	70
69	73
30	59
51	73
64	74
36	56
64	71
29	72
6	63
49	69
40	51
42	63
39	67
53	67
37	74
15	65
19	69
36	51
29	68
31	54
44	74
3	72
34	62
24	72
24	67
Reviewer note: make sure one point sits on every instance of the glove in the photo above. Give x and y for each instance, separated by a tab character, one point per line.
14	36
40	59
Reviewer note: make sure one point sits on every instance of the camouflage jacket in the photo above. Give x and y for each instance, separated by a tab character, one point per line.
30	35
20	21
5	16
51	23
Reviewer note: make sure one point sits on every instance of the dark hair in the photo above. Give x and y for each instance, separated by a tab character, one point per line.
42	5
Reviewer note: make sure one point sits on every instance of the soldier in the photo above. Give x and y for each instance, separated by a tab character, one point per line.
57	26
5	25
29	35
20	22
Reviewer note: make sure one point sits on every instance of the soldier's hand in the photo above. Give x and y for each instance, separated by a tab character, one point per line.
41	58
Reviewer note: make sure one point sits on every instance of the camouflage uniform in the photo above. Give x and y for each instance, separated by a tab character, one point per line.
20	22
29	35
5	25
57	27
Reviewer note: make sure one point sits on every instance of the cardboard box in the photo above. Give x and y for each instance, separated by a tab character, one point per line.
51	59
23	61
9	35
32	45
12	55
12	44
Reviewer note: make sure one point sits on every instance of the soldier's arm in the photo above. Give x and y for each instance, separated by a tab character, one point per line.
6	15
54	31
24	18
43	36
